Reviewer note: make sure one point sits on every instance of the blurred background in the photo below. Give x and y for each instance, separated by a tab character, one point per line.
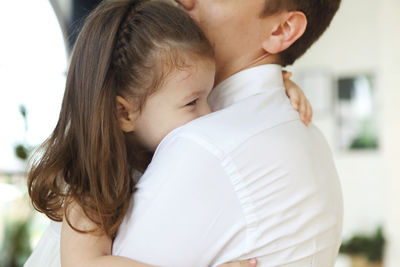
351	77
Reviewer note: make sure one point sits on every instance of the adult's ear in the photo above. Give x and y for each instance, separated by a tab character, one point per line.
289	26
186	4
126	114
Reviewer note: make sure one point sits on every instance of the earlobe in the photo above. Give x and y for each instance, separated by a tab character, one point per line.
289	29
126	116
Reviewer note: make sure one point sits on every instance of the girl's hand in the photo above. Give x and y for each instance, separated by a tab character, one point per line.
297	99
245	263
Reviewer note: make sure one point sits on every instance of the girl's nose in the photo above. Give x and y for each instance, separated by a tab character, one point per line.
186	4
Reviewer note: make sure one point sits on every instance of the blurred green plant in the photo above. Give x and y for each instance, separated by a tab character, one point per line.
22	150
16	246
16	243
367	138
370	246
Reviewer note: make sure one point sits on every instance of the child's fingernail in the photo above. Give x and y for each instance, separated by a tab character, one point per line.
252	262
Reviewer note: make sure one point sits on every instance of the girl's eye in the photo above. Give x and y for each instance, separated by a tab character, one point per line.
192	103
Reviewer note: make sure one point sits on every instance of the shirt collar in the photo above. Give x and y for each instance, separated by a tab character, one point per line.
244	84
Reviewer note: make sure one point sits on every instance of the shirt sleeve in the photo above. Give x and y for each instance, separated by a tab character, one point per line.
185	209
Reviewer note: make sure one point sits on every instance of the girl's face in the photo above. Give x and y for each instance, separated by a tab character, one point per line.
180	99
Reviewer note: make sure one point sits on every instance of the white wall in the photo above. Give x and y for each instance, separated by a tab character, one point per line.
365	38
390	81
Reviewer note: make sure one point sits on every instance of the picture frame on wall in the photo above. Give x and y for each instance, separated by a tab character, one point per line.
357	113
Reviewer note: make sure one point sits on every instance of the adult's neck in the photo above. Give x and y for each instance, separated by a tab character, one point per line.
228	68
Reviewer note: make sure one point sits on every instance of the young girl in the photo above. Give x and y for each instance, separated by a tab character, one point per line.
139	69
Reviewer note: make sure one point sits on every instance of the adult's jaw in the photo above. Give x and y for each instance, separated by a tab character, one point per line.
235	30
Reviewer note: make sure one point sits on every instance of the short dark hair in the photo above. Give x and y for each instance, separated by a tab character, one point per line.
319	15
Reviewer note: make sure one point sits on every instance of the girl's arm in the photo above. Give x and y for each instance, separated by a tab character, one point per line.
94	250
88	249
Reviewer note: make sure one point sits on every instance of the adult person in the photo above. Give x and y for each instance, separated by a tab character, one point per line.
248	180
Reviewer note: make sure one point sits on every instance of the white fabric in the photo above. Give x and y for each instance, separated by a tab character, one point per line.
47	251
249	180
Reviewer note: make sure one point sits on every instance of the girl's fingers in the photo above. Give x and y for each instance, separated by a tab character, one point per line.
298	100
294	97
252	263
309	112
303	111
286	75
245	263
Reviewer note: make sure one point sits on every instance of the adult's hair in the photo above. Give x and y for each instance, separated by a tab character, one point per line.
319	15
125	48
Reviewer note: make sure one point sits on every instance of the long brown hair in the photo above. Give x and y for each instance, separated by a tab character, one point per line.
122	50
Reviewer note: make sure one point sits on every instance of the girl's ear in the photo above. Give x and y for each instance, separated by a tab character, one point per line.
290	26
126	114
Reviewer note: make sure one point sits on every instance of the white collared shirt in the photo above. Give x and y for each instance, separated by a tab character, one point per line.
248	180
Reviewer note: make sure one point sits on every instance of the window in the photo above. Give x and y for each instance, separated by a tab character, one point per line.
32	73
